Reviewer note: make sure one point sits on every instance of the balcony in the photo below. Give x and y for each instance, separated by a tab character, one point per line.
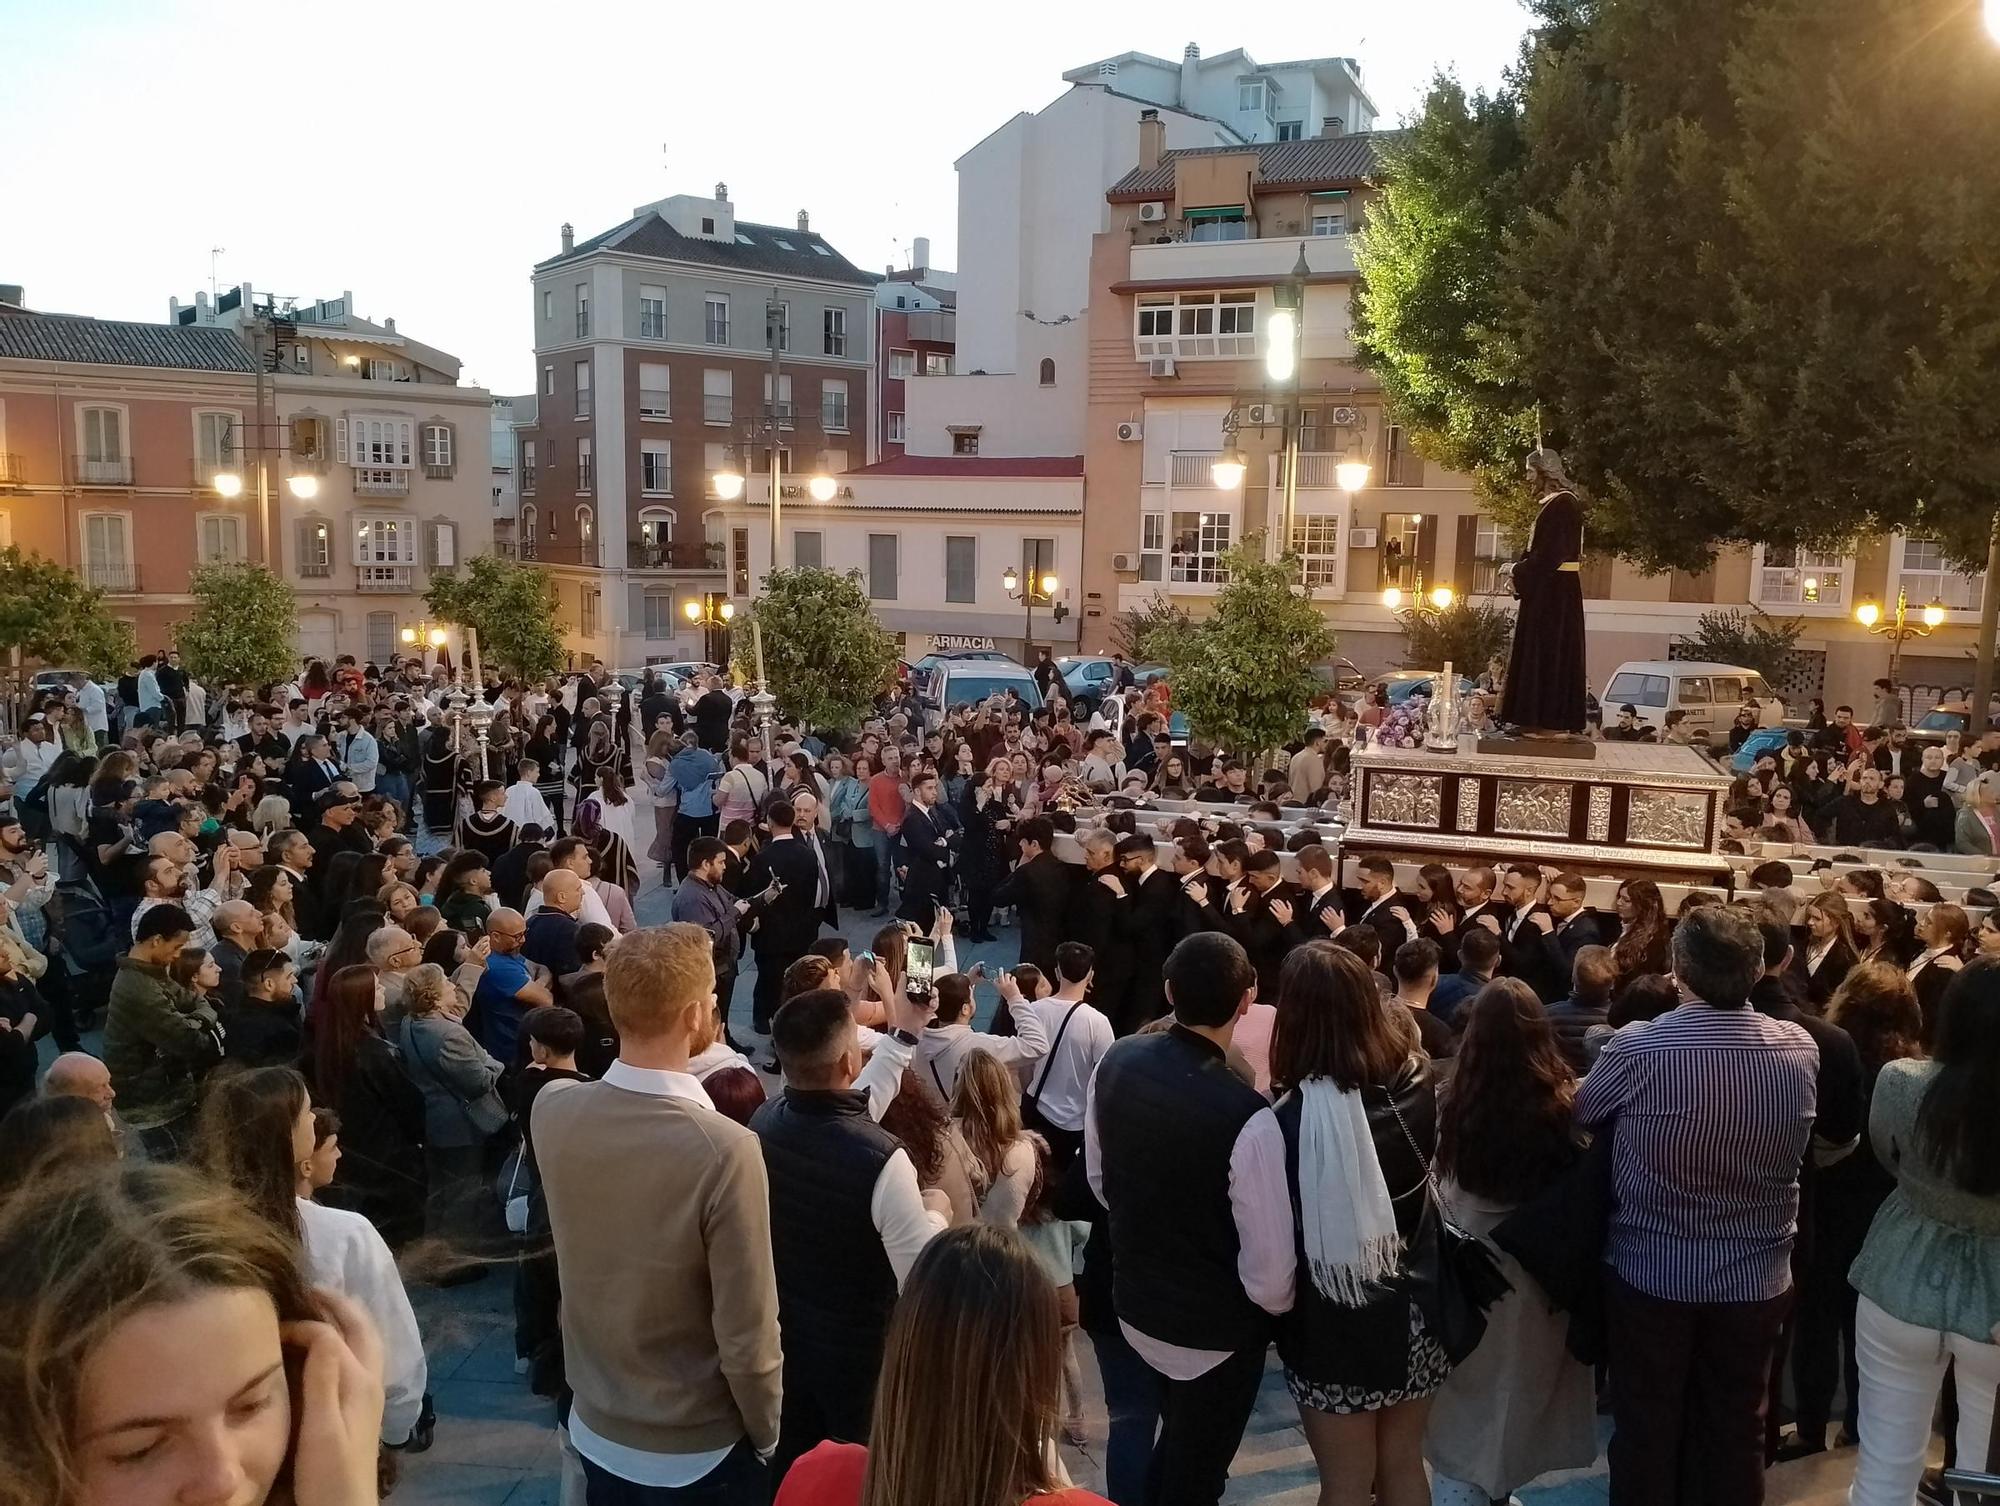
315	570
687	554
11	472
120	577
393	578
547	551
1192	468
112	471
1270	256
377	483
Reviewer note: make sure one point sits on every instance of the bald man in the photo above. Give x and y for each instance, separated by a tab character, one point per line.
78	1074
551	939
238	932
508	988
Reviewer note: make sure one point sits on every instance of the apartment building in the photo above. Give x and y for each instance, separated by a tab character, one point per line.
111	435
916	322
386	459
1202	245
654	363
506	486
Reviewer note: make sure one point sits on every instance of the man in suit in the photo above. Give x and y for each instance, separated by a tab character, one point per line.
311	774
1382	907
1575	927
551	937
1039	890
1150	925
1261	919
926	852
1478	960
1528	949
789	924
339	828
1097	920
805	827
1316	908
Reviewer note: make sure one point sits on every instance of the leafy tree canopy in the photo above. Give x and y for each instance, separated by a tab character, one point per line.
513	609
244	629
825	655
49	614
1466	634
1244	675
1141	633
1755	640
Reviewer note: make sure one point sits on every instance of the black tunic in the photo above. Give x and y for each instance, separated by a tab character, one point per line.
1545	672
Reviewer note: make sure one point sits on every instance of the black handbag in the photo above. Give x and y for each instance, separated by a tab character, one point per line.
1468	1277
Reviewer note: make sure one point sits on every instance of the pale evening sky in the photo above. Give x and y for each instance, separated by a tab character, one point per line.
423	153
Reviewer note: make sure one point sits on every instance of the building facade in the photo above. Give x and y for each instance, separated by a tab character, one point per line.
916	333
506	487
654	367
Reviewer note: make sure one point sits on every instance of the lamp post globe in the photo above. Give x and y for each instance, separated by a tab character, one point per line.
227	484
304	488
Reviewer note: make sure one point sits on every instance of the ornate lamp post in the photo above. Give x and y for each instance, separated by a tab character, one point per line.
1040	587
1899	629
1417	605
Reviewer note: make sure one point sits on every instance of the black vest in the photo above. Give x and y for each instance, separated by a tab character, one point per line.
836	1288
1168	1113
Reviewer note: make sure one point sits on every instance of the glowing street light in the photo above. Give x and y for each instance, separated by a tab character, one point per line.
305	488
1227	469
227	484
1281	345
1352	473
1899	630
729	480
821	488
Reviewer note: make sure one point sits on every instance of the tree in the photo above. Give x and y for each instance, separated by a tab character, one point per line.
513	609
1141	633
825	655
1244	675
245	626
1756	641
1466	634
47	613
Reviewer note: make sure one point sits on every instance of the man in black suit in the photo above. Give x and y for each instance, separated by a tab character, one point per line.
1039	891
1213	903
1381	907
1261	919
1151	924
805	828
1575	927
339	827
926	853
1316	907
1097	920
789	924
1528	949
551	938
712	711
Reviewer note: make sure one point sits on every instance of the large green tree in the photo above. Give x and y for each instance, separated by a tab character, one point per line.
1244	674
244	629
513	609
825	655
48	614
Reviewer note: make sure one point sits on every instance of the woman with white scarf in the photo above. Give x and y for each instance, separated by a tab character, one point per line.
1359	1114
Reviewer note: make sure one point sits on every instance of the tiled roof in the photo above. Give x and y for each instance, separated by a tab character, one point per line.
28	336
974	465
1315	159
649	235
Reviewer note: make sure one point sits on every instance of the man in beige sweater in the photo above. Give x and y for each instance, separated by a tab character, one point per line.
662	1223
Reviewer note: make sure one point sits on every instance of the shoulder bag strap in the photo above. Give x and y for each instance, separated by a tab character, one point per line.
409	1035
1049	1063
938	1078
1430	1177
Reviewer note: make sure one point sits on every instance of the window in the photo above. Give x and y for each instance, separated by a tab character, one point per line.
881	567
937	363
785	412
1250	95
104	457
1289	130
378	370
218	538
548	381
808	549
739	553
655	379
1791	576
902	363
833	330
1152	545
376	443
659	614
1196	326
833	405
1489	549
656	467
591	602
583	389
107	552
583	311
586	530
315	549
441	545
1330	221
707	225
961	564
1048	372
531	521
311	440
718	397
437	449
656	528
895	430
1401	545
965	444
820	249
1927	577
1222	222
783	326
527	465
382	636
548	303
1404	467
212	441
718	319
385	541
834	461
1199	541
652	313
586	466
1316	541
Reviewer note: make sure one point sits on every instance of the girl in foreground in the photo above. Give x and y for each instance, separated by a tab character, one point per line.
162	1347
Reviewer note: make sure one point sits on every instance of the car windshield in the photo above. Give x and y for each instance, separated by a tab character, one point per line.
1638	689
969	690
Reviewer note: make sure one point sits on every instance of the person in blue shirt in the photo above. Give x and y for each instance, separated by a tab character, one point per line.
508	988
694	771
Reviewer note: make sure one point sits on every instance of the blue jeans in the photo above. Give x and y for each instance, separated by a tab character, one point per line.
885	868
396	787
1132	1398
739	1480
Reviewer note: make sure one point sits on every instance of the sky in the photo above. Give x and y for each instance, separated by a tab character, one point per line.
424	154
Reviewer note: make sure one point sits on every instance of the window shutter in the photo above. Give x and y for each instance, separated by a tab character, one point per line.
340	440
444	546
1463	552
1427	545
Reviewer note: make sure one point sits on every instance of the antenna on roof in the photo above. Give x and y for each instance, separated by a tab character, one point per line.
213	253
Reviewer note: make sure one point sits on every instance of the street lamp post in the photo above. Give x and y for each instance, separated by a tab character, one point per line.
712	614
1899	629
1282	363
423	633
1037	587
1418	605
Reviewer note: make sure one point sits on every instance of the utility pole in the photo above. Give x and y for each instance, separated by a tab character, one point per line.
774	316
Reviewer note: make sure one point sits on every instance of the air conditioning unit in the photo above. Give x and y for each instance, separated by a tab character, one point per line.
1344	418
1160	366
1125	562
1360	538
1152	214
1257	415
1130	432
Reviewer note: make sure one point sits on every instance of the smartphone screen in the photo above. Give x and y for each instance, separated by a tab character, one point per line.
921	964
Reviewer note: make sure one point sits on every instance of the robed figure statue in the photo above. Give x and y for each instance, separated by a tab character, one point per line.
1545	671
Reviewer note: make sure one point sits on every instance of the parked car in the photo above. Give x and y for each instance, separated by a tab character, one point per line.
952	681
1943	718
1400	684
1086	677
1709	694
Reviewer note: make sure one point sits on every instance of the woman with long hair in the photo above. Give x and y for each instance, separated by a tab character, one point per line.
463	1110
355	1072
986	1127
969	1406
1928	1275
1437	904
1878	925
1782	815
987	818
270	891
1359	1116
161	1337
1520	1406
1824	961
1170	779
256	1135
615	810
1641	947
1940	933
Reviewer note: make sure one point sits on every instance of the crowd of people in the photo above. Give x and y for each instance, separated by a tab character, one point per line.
1472	1157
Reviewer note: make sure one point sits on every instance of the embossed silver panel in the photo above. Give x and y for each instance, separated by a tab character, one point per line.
1468	803
1531	808
1598	828
1667	818
1406	800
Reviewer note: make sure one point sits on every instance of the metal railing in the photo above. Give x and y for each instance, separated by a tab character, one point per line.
315	570
118	576
11	473
383	577
583	324
547	551
683	554
113	471
1192	468
379	483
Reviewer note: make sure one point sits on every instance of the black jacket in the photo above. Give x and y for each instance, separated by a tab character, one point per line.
381	1173
1151	924
1040	890
789	924
551	941
927	861
257	1034
1833	967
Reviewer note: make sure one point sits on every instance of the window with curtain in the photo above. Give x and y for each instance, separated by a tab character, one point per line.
315	548
718	397
961	566
656	467
219	538
833	405
808	549
882	561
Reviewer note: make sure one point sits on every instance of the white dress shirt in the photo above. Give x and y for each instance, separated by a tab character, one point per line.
525	805
1062	1077
90	701
344	1252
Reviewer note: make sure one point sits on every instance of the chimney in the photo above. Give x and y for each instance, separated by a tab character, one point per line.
389	325
1152	138
1190	76
920	252
1332	125
722	193
1191	53
13	295
569	237
804	223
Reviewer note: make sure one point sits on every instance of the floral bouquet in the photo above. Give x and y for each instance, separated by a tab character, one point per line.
1403	725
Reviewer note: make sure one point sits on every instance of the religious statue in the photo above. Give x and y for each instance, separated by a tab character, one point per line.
1544	687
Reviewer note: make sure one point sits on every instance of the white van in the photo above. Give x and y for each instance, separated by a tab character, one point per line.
1710	694
948	681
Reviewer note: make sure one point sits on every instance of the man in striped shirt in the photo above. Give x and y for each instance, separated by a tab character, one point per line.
1712	1105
